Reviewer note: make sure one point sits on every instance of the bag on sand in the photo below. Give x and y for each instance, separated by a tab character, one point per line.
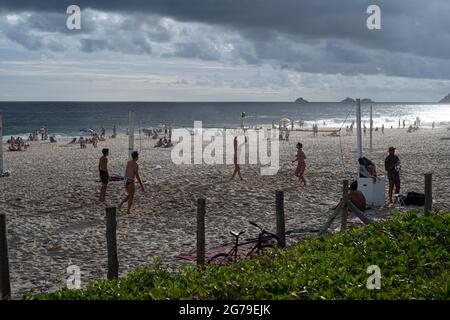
366	168
414	199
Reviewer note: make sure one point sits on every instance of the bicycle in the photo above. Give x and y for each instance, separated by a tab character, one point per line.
265	239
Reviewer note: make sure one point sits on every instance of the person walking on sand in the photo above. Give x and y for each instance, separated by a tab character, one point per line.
392	166
131	173
301	165
382	128
104	175
237	168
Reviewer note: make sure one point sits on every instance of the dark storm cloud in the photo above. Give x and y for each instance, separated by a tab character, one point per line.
328	36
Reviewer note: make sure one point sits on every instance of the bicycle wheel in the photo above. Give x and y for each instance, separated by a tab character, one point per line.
221	259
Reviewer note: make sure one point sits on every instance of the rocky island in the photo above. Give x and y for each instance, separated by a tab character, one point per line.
348	100
446	99
301	100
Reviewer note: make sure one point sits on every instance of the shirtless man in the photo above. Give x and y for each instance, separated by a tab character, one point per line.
104	175
237	168
357	197
392	166
131	172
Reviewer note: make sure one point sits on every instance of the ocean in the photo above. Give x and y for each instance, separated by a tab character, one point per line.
65	119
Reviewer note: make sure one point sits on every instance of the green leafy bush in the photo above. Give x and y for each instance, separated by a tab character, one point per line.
411	251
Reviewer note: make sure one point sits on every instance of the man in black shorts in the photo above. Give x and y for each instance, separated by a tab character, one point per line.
104	175
392	166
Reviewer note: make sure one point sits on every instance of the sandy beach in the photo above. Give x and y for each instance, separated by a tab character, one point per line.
55	220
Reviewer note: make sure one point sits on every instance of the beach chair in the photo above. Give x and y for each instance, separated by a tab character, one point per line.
399	200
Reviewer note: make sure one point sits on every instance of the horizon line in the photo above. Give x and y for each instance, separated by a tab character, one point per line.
209	101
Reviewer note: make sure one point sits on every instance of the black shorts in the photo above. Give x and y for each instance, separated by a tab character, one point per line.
393	177
104	177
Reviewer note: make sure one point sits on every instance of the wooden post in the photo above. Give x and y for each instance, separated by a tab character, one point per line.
279	204
358	213
1	145
330	220
201	213
358	128
111	240
5	284
428	194
344	206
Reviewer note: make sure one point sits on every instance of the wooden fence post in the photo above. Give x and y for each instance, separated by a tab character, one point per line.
428	194
111	241
201	212
5	284
279	204
344	206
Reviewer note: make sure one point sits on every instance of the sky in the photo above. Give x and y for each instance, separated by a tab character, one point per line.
224	50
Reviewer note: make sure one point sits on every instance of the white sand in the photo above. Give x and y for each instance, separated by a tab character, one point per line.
54	218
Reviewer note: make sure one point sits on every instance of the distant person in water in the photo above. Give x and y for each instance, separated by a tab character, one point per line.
237	168
301	164
131	173
104	174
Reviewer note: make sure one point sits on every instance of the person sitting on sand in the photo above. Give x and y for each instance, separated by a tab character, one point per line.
104	174
301	164
159	143
131	173
356	197
167	143
237	168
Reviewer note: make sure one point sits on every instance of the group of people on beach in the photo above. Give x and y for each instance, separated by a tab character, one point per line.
163	143
34	136
284	134
392	166
131	176
17	144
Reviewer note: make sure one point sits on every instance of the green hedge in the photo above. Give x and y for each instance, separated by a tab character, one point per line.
412	252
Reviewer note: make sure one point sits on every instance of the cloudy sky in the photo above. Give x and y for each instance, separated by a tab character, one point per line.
224	50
